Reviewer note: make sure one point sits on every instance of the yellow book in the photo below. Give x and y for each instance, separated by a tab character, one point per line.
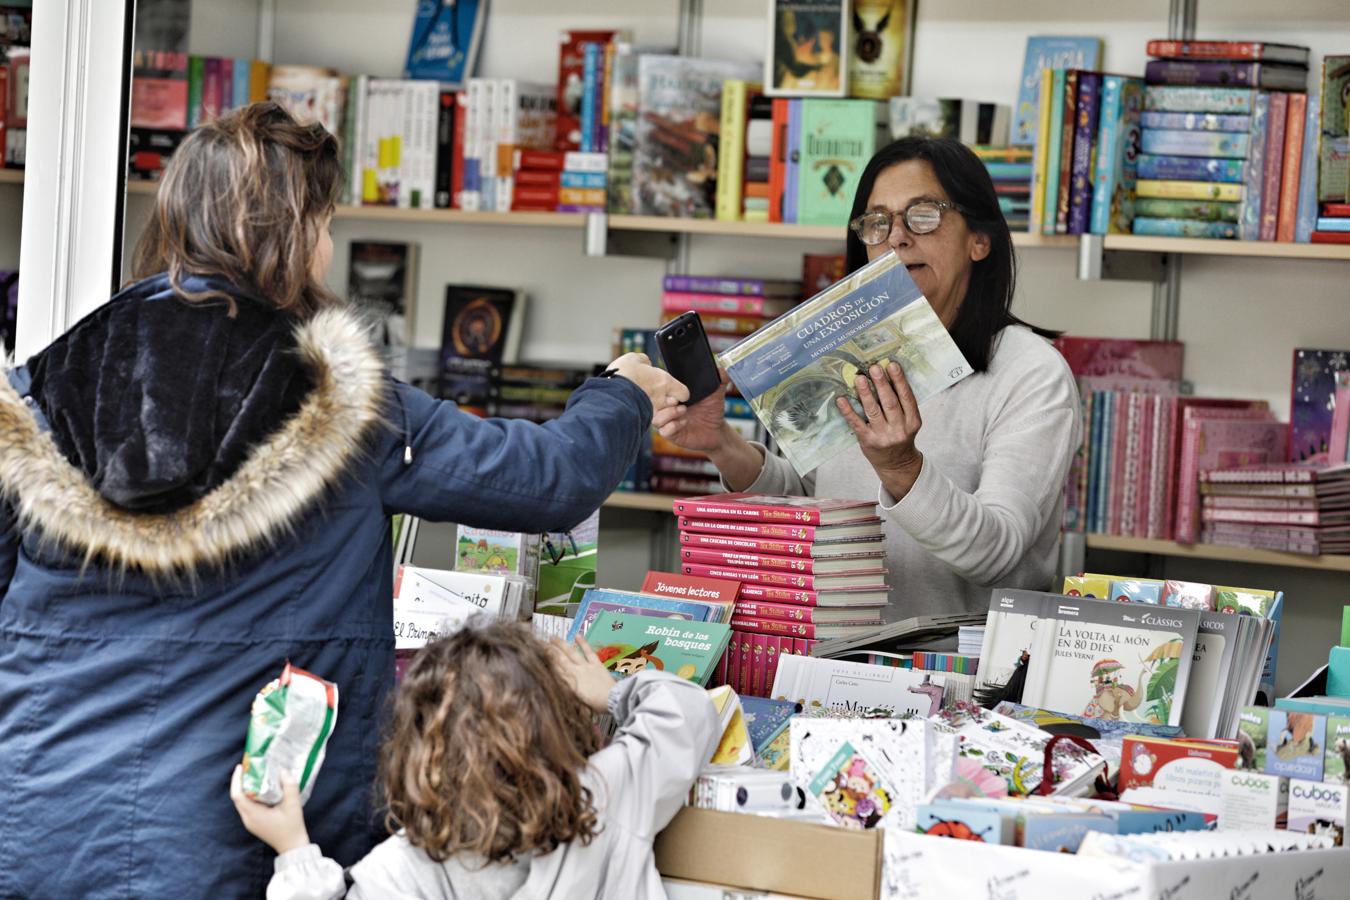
259	72
1042	143
756	215
1188	190
731	148
570	196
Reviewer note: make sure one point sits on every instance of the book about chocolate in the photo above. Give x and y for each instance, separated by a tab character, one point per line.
792	369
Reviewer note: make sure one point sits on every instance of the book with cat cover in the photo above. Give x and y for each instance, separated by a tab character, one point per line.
792	369
628	643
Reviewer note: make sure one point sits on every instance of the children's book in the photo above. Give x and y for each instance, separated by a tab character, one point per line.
497	552
1015	751
1009	632
792	369
628	643
765	718
598	600
882	39
1312	401
432	603
445	40
481	329
767	508
1047	52
734	749
856	688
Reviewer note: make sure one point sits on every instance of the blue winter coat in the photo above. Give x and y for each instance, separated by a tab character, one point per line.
132	643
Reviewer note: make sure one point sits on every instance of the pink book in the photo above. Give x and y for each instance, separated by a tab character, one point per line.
747	675
721	676
1272	516
1120	433
1157	488
790	612
1139	526
211	89
872	579
1216	443
1274	164
1177	408
1340	420
1129	481
855	564
776	531
768	508
759	645
725	304
1121	357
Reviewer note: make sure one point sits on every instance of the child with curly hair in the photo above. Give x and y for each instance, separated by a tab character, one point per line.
495	782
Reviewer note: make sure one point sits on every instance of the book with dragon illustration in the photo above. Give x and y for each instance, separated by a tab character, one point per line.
792	369
627	644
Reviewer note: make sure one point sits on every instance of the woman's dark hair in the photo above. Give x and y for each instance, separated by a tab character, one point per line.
986	308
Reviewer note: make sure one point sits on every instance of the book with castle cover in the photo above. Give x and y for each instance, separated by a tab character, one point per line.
628	643
792	369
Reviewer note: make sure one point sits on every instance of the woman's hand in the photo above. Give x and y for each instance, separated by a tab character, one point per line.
702	426
584	671
281	827
659	385
887	435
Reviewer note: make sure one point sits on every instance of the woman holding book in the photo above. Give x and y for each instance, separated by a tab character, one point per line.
972	487
197	480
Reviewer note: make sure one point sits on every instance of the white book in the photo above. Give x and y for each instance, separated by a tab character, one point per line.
1009	631
431	603
842	685
1212	663
360	87
526	119
474	127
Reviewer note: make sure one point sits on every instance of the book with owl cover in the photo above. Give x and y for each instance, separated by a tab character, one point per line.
792	369
481	330
598	600
628	643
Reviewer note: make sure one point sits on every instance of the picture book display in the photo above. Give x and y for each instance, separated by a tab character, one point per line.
1015	751
628	643
497	552
792	369
567	565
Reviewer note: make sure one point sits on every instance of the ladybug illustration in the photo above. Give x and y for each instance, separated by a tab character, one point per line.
954	829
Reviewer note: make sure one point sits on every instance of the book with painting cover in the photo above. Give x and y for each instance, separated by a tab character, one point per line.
865	527
679	115
627	644
871	579
851	564
866	546
598	600
767	508
1312	401
882	39
1103	659
876	595
792	369
1009	633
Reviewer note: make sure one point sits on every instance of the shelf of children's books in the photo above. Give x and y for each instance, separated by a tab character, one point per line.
638	500
1275	249
1215	551
11	176
395	214
785	230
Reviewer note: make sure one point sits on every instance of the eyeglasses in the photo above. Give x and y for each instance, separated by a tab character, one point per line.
922	217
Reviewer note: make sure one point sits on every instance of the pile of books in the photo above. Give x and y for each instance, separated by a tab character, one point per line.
1294	508
808	568
1011	170
1222	140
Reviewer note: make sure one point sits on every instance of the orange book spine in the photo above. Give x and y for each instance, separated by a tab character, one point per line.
1293	164
778	160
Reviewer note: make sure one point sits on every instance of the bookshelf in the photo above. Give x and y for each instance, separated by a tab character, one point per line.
1216	552
1249	249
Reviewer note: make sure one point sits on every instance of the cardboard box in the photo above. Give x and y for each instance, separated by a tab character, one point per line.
760	853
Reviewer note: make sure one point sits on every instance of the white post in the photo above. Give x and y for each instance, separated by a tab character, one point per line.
76	161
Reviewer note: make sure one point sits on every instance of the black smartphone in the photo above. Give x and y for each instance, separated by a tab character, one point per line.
685	351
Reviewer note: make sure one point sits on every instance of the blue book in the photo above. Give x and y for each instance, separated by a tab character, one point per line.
1190	168
243	71
582	180
1330	223
737	408
1228	101
1081	169
598	600
1197	228
764	718
794	160
1100	401
1117	152
1046	52
593	62
1307	175
1194	143
1194	121
1249	218
444	42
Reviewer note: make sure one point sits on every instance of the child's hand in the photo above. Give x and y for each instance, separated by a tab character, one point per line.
584	670
281	827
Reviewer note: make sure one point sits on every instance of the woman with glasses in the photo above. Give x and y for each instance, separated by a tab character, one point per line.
970	489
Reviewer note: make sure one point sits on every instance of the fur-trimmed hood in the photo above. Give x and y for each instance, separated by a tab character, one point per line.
183	436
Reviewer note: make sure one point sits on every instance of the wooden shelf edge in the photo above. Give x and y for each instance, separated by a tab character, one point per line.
638	500
1217	552
719	227
11	176
1255	249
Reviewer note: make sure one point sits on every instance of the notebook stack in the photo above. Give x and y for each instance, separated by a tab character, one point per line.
809	569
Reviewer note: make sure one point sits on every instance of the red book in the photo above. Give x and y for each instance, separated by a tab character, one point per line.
873	580
1275	516
769	508
1270	188
843	565
778	160
745	677
1287	217
1240	50
535	195
791	612
457	148
864	527
1336	210
1122	357
761	627
771	654
854	546
1142	759
725	304
686	587
732	663
571	82
551	160
843	597
538	178
759	646
1331	237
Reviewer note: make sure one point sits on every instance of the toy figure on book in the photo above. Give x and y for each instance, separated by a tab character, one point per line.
972	499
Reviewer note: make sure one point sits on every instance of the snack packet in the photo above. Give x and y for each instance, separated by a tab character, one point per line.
288	730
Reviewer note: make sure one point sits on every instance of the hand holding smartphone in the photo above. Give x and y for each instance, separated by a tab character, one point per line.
684	349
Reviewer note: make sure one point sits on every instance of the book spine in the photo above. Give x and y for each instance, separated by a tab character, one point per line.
536	178
1055	148
1179	121
761	627
1162	467
1129	482
680	465
1064	192
793	150
1185	228
759	650
737	325
786	612
583	180
677	301
445	147
1249	217
1189	190
1190	168
768	593
1081	174
712	510
1217	73
1041	158
1263	516
1211	211
1223	144
694	284
802	581
1206	49
778	160
592	60
1184	527
789	532
731	149
1295	119
196	76
1329	237
1108	155
1272	168
1120	472
745	545
774	653
1229	101
1255	501
761	561
1307	186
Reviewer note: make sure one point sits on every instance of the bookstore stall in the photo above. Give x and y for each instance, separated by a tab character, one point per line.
528	192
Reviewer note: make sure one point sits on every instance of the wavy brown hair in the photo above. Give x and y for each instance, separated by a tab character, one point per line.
486	747
243	199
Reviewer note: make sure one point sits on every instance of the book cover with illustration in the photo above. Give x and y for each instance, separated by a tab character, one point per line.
1313	401
626	644
567	564
1009	633
883	48
1047	52
497	552
808	53
792	369
598	600
481	329
679	117
1111	660
838	137
854	688
1014	750
765	718
853	789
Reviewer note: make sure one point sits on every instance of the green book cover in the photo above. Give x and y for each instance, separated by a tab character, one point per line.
838	138
1345	626
629	643
196	73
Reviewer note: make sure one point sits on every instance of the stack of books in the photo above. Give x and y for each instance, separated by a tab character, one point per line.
1222	140
1011	170
1292	507
809	569
535	393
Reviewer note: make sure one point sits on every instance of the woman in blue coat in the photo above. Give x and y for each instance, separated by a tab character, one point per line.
197	484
